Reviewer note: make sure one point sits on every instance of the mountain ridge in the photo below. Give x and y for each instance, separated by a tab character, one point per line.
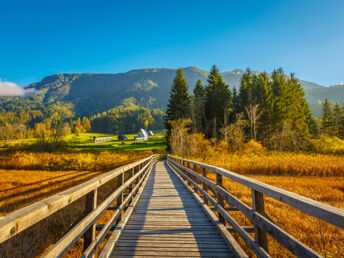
92	93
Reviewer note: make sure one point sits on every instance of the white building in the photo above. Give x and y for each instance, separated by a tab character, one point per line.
143	134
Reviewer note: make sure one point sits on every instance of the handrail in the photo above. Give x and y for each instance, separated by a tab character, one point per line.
17	221
257	215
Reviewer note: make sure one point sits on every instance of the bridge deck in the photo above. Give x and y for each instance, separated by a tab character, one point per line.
168	221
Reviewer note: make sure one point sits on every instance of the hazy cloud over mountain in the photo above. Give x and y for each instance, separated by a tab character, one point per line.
10	89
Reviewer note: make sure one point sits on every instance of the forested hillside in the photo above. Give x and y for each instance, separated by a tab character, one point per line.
103	97
94	93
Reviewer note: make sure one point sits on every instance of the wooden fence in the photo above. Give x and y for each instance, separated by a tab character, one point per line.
195	174
131	179
102	139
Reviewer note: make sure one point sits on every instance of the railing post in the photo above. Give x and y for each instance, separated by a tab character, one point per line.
220	200
131	174
258	206
122	195
205	188
120	199
90	205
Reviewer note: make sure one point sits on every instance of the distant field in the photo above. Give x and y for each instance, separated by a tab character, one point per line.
84	141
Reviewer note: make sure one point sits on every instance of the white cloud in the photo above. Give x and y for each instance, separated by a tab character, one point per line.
10	89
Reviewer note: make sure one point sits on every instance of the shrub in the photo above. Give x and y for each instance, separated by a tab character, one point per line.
328	145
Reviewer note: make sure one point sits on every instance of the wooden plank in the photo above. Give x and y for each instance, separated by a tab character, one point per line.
231	242
170	228
172	253
149	228
174	249
118	230
170	223
175	237
133	243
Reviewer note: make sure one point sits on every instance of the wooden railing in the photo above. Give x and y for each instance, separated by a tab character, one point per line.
131	180
195	173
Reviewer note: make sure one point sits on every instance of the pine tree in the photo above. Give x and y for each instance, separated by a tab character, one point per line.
338	115
263	96
179	101
244	90
298	109
280	95
327	118
199	102
235	106
341	127
289	113
218	101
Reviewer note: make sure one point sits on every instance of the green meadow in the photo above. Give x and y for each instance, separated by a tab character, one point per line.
85	141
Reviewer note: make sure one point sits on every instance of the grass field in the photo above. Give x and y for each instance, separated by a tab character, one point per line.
84	141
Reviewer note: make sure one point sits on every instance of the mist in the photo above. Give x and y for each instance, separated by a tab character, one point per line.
10	89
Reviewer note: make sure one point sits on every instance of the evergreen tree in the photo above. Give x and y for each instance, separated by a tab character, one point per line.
235	106
283	102
341	126
263	96
279	89
298	109
327	118
218	101
338	115
199	102
179	101
244	90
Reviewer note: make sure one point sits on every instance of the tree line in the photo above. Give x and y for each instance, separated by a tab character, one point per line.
332	119
269	108
127	117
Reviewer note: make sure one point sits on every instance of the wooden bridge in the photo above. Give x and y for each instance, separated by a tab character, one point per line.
169	208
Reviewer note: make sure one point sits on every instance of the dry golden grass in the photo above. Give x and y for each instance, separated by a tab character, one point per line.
80	161
286	164
19	188
272	169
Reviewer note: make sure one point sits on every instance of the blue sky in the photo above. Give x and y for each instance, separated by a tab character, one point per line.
40	38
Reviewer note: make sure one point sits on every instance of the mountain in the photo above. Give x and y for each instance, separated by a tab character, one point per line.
94	93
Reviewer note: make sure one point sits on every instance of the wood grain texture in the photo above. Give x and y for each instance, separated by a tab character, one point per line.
168	221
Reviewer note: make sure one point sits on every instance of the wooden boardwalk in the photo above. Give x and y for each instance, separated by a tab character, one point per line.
166	209
168	221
